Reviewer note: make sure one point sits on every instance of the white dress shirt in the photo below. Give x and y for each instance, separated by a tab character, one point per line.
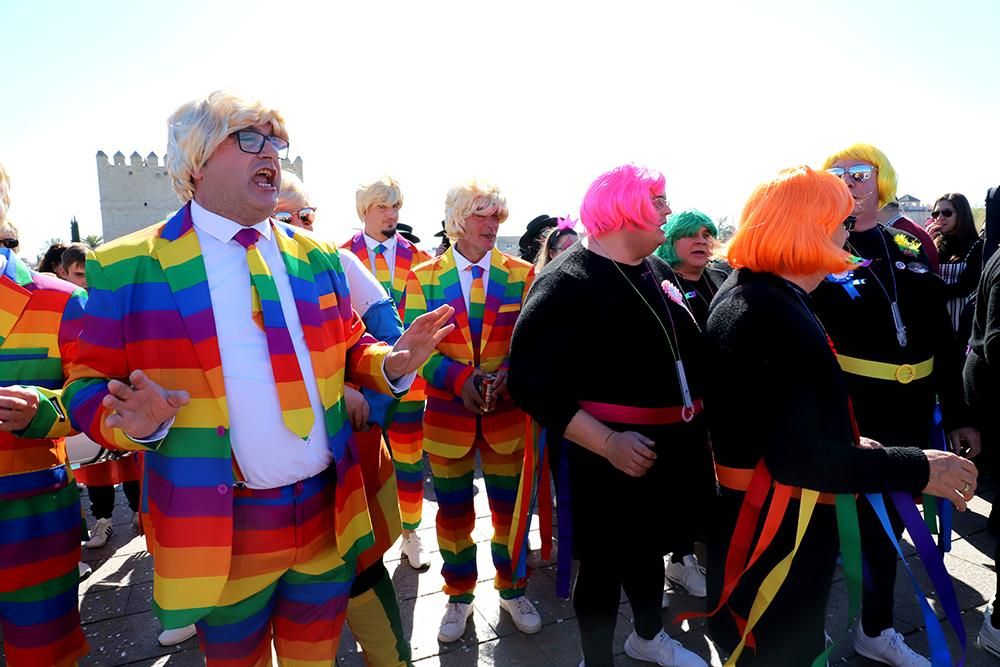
464	267
365	290
268	453
389	253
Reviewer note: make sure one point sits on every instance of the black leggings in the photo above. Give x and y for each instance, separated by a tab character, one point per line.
597	594
102	499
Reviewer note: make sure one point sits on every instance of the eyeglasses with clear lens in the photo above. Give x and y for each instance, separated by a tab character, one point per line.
306	215
10	243
660	203
252	141
944	213
859	172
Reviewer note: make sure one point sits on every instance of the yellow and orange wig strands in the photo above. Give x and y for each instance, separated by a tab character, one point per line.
887	178
787	225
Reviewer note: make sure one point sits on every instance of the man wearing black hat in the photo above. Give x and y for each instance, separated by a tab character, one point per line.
406	231
530	241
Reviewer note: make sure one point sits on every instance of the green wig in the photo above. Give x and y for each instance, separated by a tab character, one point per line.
681	225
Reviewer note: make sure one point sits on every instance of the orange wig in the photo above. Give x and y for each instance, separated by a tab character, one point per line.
787	225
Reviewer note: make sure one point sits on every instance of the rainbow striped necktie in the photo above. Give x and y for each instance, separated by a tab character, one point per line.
477	308
296	411
382	269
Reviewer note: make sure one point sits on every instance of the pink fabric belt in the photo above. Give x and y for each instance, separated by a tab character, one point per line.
627	414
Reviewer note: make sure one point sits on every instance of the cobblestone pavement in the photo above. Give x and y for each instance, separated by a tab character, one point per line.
115	605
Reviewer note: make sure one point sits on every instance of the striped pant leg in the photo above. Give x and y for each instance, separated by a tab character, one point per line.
39	579
287	581
406	442
502	472
374	618
456	518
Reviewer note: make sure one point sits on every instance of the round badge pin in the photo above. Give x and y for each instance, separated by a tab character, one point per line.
900	266
917	267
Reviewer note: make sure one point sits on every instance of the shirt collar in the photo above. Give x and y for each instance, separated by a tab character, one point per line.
220	227
389	243
463	264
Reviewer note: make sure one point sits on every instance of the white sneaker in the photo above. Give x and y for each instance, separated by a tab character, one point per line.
526	618
85	571
989	637
176	636
888	648
688	574
456	615
101	532
413	549
661	650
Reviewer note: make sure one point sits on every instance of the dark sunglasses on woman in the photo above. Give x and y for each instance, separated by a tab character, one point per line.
10	243
947	213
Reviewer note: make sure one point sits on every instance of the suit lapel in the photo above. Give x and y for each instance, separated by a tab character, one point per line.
451	287
179	255
404	262
303	282
14	296
494	295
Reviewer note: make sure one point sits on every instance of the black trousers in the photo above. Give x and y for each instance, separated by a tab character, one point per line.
102	499
597	594
791	631
879	557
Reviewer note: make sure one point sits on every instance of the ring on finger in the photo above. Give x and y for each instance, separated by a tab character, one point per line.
965	489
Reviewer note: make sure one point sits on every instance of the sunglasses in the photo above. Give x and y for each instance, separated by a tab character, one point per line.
252	141
946	213
10	243
859	172
849	223
306	215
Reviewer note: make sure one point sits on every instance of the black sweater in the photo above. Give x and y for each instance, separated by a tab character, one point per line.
857	314
775	391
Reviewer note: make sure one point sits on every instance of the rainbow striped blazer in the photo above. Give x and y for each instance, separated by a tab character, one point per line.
40	319
408	256
150	308
450	429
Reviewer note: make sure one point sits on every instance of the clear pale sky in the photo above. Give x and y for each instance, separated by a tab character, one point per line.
539	97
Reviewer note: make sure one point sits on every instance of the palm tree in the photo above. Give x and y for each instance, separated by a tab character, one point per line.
93	240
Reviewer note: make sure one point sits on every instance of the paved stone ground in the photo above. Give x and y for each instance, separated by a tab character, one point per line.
115	605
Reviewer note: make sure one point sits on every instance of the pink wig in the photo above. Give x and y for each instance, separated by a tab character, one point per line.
622	199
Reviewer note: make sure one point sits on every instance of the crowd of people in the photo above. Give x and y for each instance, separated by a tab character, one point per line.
274	396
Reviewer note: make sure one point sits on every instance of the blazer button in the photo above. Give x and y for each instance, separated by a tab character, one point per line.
220	430
223	489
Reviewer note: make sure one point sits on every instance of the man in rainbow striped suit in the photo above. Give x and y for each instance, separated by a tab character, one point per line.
40	319
390	257
486	288
220	341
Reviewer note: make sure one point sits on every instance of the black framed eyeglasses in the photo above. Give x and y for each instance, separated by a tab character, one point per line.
10	243
306	215
252	141
849	223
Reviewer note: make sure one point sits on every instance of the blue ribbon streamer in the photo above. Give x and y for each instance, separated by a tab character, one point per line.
935	634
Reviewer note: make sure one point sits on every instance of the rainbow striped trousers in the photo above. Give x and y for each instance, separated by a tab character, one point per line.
287	582
456	517
39	579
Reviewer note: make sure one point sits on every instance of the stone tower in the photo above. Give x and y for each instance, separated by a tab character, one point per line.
138	194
